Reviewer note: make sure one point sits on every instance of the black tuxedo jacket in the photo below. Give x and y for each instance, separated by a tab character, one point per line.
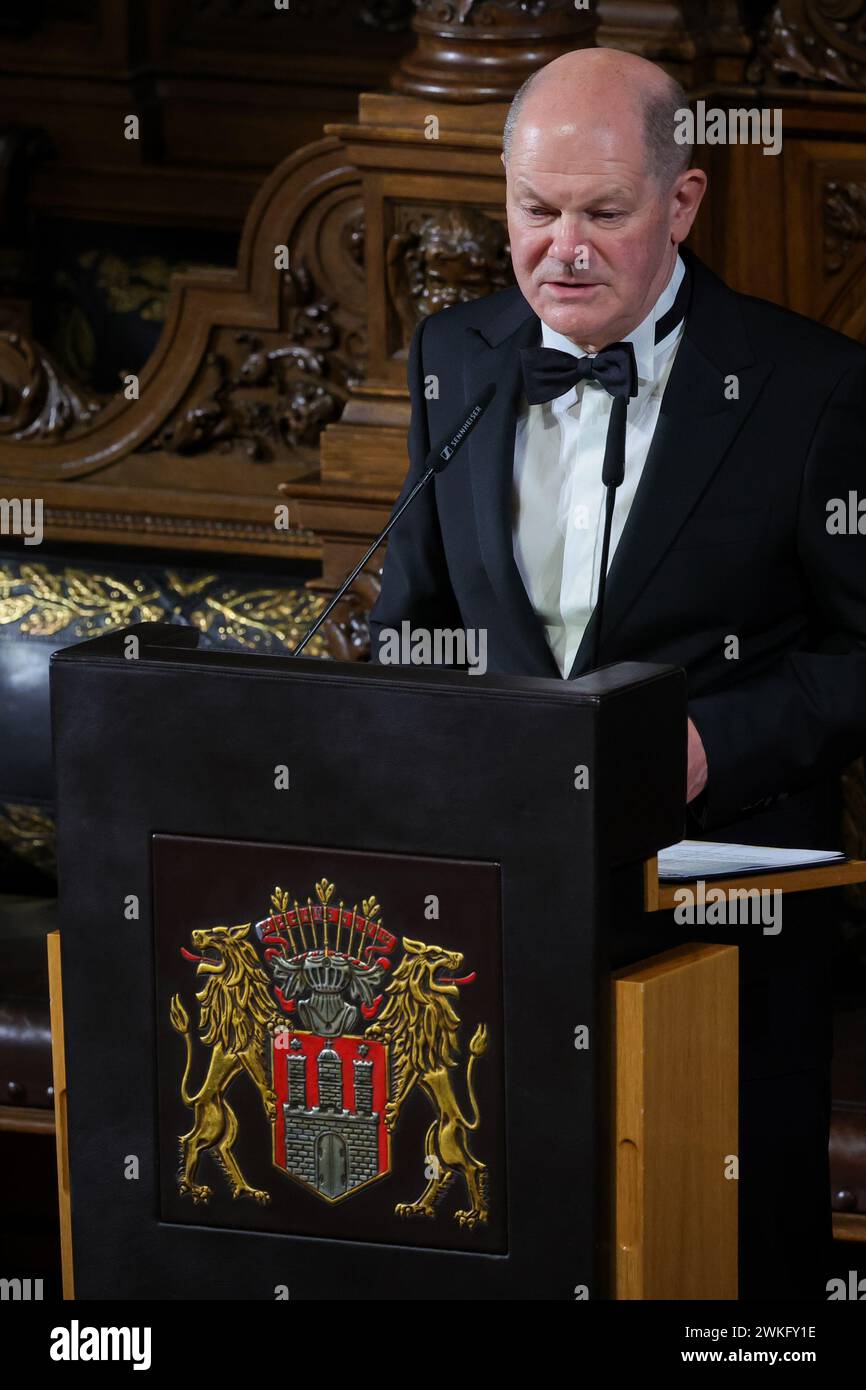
762	423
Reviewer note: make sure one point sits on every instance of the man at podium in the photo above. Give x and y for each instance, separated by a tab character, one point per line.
727	429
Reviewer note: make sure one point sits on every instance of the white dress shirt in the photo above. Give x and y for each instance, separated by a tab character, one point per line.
558	519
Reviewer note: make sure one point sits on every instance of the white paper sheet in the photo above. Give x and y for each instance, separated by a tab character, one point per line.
705	858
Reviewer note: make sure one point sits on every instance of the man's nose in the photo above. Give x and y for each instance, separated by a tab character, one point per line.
568	243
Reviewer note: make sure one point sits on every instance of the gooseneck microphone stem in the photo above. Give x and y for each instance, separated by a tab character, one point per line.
437	459
610	498
612	474
311	632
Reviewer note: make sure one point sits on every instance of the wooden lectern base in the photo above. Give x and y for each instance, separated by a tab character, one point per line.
674	1112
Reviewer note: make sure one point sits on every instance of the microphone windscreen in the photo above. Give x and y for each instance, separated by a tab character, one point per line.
613	467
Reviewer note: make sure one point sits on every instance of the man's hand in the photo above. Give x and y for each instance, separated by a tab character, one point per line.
696	774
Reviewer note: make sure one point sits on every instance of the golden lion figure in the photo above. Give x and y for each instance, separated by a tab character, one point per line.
420	1025
236	1013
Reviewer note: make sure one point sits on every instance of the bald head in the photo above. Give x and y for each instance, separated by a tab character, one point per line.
599	193
585	83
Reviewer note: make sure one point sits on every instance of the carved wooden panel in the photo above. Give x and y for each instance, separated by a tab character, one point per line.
826	222
697	43
481	50
250	367
813	42
444	241
440	255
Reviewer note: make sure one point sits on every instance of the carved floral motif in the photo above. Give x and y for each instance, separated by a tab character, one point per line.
270	392
37	402
814	41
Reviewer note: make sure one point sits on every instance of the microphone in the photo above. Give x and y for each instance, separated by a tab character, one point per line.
438	458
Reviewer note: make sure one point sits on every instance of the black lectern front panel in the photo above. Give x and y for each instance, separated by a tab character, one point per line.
335	967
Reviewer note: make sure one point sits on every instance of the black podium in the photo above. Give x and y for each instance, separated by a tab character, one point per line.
337	944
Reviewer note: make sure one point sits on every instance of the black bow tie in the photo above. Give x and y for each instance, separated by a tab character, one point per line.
548	373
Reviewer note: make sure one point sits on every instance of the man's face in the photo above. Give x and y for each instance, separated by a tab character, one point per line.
579	189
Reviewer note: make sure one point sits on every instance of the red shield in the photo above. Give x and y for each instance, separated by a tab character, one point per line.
329	1132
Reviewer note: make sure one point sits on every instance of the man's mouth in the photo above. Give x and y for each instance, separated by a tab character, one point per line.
571	286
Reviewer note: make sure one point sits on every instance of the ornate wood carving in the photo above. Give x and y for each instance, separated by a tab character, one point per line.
441	256
251	366
844	221
257	368
347	631
824	230
440	238
482	50
268	390
36	401
814	41
695	42
236	536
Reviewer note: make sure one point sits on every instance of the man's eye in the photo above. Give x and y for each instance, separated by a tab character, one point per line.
536	211
606	216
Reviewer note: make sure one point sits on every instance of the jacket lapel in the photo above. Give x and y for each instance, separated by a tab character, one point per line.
695	430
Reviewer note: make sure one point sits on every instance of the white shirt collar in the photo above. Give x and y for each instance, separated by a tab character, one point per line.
646	349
